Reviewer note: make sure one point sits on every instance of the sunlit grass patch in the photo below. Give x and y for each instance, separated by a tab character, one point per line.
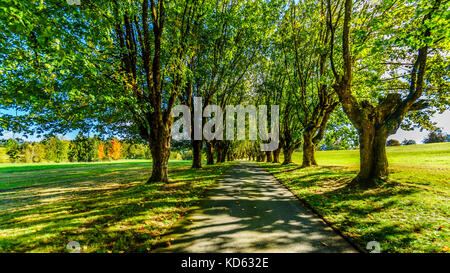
108	208
411	213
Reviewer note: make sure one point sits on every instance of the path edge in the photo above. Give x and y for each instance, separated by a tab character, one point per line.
316	213
180	225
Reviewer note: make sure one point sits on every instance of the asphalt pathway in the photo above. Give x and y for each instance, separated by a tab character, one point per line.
249	211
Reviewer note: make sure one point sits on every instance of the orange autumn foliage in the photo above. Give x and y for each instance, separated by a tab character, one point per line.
115	151
101	151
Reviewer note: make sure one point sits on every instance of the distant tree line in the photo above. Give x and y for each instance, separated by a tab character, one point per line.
435	136
81	149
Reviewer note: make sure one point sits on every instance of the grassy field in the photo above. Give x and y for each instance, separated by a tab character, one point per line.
411	213
106	207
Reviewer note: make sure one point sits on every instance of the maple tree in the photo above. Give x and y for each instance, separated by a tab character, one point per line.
115	150
101	151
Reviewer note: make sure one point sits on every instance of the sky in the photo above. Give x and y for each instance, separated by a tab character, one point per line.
442	121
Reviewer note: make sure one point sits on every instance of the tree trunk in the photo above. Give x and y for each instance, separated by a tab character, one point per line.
276	156
222	151
224	154
288	155
209	153
160	149
262	156
373	159
269	156
309	149
218	153
229	156
197	154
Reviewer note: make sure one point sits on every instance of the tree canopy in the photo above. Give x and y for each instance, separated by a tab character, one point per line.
346	73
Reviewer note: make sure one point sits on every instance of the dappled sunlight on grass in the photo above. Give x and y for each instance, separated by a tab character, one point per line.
104	210
404	216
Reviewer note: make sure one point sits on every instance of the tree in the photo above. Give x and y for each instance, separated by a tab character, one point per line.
13	149
435	136
374	40
408	142
306	46
229	44
119	63
101	151
393	142
82	149
340	133
115	150
55	149
34	152
273	84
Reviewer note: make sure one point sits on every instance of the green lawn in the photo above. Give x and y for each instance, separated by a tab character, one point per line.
106	207
411	213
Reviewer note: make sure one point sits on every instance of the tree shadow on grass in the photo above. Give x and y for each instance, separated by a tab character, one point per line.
115	211
364	214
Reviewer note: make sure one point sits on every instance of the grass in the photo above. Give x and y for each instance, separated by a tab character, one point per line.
106	207
410	213
16	175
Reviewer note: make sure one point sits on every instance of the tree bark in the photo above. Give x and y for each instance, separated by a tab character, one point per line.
229	156
288	155
269	156
224	154
160	149
262	156
309	149
276	156
209	153
197	146
373	159
222	150
218	153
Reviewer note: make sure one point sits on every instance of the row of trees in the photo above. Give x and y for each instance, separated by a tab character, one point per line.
81	149
362	59
360	68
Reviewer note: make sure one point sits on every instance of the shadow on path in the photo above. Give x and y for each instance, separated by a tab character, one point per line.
250	212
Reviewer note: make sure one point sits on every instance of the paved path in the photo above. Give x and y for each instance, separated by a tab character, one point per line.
250	212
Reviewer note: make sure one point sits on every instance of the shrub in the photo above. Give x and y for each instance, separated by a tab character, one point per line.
436	136
174	155
392	142
187	155
408	142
